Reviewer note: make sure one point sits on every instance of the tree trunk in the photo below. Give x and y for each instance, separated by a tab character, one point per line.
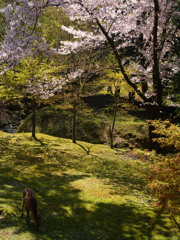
152	113
177	224
156	74
74	122
113	125
152	110
34	118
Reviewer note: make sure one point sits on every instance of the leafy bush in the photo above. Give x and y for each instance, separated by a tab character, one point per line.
169	134
163	171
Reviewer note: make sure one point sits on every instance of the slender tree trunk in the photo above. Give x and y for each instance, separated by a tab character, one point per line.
113	124
177	224
34	118
156	73
74	122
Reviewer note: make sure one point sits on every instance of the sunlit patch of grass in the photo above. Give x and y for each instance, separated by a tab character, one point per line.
85	191
94	187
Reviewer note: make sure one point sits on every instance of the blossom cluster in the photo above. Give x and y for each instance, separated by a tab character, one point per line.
126	23
74	75
45	89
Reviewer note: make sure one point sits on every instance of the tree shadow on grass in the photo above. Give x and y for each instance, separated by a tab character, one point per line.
105	222
64	215
121	174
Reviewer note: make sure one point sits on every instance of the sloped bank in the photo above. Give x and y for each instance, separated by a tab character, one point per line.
58	122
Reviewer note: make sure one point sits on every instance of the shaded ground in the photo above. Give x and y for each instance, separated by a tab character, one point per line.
94	125
81	196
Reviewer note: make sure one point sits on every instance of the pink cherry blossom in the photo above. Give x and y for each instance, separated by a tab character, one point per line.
118	22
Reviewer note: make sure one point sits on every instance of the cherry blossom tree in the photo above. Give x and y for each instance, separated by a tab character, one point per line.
82	68
74	78
146	26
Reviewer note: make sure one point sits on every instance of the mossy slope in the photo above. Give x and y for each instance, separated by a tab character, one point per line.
85	191
58	122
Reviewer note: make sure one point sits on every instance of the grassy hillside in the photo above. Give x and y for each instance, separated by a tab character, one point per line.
93	125
85	191
58	122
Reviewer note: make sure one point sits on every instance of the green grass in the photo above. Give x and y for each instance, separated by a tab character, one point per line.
130	130
81	196
58	123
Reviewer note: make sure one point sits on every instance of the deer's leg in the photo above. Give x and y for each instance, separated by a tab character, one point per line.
27	216
22	210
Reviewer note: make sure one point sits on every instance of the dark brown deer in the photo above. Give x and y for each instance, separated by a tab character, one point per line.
30	202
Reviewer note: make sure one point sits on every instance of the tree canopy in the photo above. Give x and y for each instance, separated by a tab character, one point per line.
147	26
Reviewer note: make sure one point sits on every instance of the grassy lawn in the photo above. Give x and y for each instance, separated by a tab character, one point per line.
85	191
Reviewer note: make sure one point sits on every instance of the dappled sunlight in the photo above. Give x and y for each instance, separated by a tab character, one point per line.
86	87
98	195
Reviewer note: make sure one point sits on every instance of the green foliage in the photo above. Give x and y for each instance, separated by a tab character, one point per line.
3	4
111	75
30	72
2	27
10	86
169	134
51	21
163	171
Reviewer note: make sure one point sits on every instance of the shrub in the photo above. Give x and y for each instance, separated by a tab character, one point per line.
163	171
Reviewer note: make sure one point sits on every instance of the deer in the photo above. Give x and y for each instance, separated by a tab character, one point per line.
30	202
